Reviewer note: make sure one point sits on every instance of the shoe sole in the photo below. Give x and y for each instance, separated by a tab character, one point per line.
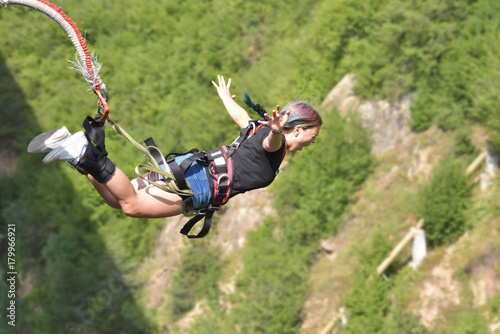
53	155
48	140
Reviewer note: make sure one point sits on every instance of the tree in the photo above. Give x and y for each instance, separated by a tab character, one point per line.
443	201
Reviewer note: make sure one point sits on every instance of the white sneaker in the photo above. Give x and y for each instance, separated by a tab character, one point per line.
48	140
70	150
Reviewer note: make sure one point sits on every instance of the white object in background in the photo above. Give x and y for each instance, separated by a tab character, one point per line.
343	316
489	169
419	250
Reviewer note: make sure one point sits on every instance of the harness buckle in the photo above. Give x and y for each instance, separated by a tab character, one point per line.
200	213
253	130
223	178
212	207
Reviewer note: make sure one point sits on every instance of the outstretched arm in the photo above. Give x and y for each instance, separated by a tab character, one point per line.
237	113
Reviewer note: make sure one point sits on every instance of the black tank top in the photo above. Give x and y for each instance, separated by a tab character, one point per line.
254	167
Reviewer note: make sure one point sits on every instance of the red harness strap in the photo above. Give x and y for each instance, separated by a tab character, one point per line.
221	169
219	166
221	181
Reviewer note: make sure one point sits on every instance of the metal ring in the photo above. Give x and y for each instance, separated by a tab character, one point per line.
222	177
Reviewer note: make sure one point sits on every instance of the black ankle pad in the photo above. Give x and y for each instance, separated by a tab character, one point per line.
105	173
80	170
96	163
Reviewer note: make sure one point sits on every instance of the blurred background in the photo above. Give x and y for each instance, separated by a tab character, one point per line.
408	91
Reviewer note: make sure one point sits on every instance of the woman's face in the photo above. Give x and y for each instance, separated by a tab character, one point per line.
299	138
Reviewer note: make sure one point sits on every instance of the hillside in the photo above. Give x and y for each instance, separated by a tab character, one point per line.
455	289
414	102
454	281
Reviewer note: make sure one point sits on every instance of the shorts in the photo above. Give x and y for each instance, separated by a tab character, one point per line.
196	177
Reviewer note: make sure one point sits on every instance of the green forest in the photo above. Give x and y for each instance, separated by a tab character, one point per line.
80	257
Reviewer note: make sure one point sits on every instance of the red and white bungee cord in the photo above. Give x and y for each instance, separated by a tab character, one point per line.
86	63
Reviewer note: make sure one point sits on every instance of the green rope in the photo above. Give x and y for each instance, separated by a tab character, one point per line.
151	165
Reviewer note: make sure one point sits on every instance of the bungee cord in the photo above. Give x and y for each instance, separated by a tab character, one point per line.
86	64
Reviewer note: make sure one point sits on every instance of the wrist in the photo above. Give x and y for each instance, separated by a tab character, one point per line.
277	132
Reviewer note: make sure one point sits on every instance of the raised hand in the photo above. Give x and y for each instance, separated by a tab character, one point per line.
277	121
237	113
223	89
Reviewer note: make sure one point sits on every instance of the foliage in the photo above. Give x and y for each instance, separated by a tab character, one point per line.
312	193
465	318
158	61
367	302
443	202
443	52
462	145
273	281
195	278
400	317
318	183
468	321
494	304
214	322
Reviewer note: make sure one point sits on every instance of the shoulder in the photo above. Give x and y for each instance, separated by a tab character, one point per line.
261	133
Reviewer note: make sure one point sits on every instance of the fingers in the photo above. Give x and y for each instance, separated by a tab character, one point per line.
276	114
222	83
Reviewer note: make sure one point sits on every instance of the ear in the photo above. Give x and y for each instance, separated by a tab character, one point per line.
297	130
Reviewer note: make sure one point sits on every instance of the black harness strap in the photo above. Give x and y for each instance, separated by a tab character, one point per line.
179	170
204	230
94	130
219	166
150	143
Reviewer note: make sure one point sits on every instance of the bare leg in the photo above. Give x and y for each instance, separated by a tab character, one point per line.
106	195
136	198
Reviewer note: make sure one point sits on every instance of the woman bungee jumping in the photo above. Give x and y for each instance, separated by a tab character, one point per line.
206	180
196	182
